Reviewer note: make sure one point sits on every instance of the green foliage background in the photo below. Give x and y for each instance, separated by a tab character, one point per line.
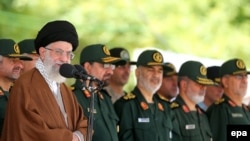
215	29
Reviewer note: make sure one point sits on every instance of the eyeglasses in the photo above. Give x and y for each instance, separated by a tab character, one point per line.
107	66
59	52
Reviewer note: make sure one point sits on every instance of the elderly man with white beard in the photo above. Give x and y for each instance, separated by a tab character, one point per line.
189	121
41	107
143	117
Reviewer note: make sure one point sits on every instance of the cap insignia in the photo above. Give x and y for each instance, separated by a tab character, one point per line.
203	70
16	49
144	105
124	54
240	64
106	50
157	57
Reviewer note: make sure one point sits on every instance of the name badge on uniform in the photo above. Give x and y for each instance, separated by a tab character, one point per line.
235	115
145	120
190	126
94	110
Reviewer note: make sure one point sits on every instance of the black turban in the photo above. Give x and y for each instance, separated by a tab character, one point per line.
56	31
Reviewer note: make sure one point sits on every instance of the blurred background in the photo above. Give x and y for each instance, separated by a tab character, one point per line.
211	31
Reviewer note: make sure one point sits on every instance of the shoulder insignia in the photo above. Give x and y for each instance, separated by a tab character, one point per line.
231	103
174	105
86	93
163	98
219	101
160	106
129	96
185	108
144	105
72	88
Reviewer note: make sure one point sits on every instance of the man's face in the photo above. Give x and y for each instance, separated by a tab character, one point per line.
28	65
53	56
149	78
213	93
121	74
10	68
195	91
169	87
101	71
235	84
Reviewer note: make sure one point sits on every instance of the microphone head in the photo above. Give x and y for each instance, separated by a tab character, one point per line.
80	69
67	70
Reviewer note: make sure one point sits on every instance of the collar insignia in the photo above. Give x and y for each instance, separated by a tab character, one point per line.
144	105
160	106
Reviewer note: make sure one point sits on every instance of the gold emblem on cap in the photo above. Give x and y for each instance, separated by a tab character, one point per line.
240	64
203	70
16	49
106	50
157	57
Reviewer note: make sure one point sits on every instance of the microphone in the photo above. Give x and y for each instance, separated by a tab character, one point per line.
86	75
76	71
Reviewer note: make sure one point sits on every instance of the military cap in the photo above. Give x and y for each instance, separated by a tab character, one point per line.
150	58
213	73
98	53
27	46
232	67
121	53
9	48
169	69
56	31
195	71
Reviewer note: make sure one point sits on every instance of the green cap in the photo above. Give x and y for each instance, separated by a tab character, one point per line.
169	69
213	73
27	46
9	48
98	53
233	66
121	53
150	58
195	71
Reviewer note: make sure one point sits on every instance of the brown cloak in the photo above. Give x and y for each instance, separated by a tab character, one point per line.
34	115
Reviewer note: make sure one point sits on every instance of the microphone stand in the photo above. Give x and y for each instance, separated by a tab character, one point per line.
92	91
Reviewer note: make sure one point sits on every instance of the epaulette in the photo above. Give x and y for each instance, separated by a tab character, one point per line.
163	98
174	105
219	101
129	96
72	88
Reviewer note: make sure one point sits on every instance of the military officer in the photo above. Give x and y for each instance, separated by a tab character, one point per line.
229	109
98	62
189	121
143	117
10	68
213	92
169	88
27	48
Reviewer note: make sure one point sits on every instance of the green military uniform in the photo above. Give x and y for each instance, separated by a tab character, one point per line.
4	95
8	48
105	118
189	125
224	111
141	121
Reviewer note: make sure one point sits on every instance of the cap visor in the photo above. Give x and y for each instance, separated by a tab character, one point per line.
21	57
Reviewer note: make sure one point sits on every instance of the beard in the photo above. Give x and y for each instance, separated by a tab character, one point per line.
52	69
152	88
196	97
